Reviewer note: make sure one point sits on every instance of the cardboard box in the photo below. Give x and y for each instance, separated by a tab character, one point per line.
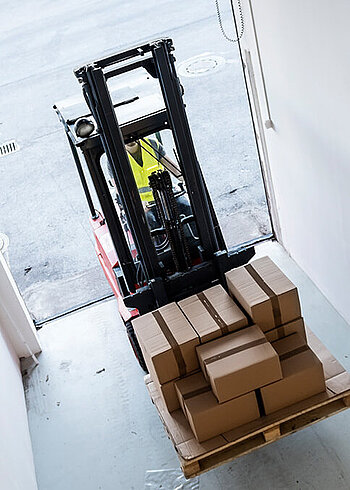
192	385
265	293
238	363
290	344
213	313
235	341
206	416
168	342
297	326
302	371
167	392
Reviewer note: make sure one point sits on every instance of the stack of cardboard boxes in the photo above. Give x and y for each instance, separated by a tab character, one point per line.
227	360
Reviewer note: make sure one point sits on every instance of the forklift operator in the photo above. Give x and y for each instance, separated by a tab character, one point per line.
145	157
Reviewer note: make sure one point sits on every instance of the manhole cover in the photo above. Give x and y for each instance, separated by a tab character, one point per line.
8	148
200	65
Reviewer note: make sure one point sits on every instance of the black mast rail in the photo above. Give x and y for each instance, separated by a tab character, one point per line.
197	193
103	111
126	261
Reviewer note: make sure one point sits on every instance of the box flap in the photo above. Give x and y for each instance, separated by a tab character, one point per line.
231	341
225	306
296	326
262	289
213	313
245	289
203	323
242	360
299	362
149	333
272	275
177	323
192	385
290	343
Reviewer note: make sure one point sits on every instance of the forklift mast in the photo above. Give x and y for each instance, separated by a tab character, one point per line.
157	286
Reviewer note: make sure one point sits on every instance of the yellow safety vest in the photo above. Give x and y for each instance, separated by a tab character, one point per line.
141	174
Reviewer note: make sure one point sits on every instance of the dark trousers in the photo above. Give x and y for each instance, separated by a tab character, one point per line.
184	208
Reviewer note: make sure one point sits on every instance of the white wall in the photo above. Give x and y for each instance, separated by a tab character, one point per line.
16	459
14	316
305	48
17	339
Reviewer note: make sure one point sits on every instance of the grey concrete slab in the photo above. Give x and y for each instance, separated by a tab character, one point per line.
94	427
43	207
93	423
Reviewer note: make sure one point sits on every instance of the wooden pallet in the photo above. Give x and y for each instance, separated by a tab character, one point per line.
196	458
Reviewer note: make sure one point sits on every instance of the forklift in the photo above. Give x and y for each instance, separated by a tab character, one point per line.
185	253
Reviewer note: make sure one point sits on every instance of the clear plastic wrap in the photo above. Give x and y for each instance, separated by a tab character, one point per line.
172	479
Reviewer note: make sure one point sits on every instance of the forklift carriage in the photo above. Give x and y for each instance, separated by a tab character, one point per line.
141	276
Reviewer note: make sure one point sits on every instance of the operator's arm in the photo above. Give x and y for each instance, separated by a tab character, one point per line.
172	166
162	157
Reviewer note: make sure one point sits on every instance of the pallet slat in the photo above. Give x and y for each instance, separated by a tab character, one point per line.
272	434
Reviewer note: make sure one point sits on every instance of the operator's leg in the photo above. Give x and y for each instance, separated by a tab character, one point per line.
185	209
154	223
183	205
152	217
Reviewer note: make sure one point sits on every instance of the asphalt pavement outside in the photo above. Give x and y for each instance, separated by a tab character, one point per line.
44	212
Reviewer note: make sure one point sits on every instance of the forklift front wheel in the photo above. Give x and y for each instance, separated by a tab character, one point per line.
135	346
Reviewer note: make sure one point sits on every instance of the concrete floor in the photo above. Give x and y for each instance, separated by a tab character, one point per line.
43	207
94	427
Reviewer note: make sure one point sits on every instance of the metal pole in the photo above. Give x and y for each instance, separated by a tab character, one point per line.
93	212
125	258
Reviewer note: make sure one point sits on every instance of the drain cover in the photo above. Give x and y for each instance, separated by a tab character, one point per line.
8	148
200	65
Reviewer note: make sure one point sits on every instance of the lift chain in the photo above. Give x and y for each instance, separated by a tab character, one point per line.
175	213
161	185
156	188
155	185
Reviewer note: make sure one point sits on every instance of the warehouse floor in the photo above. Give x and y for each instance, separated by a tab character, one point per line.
94	427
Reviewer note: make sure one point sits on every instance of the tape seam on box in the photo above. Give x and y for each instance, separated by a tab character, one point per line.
213	313
180	361
234	350
270	293
280	332
294	352
197	392
260	402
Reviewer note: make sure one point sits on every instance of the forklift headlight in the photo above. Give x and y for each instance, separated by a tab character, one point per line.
84	127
